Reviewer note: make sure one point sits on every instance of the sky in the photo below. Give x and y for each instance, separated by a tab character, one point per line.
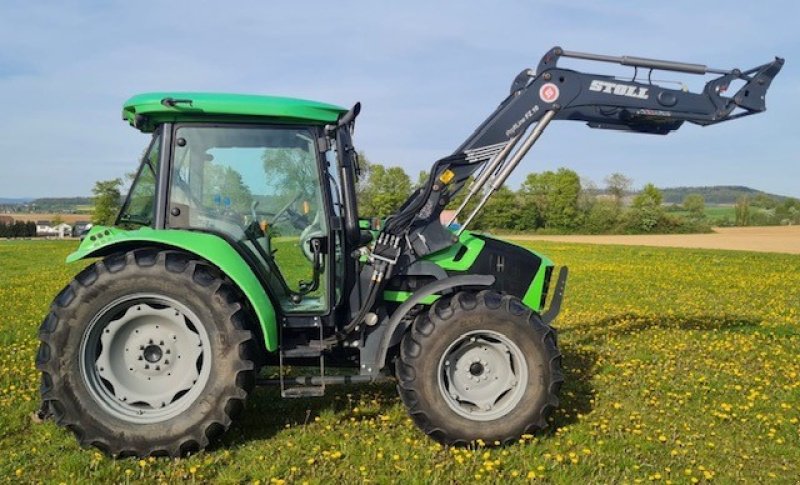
427	73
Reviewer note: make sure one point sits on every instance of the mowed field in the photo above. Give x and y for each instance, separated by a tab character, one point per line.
770	239
68	218
681	366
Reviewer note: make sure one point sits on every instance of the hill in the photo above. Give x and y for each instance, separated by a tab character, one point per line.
715	194
47	204
14	201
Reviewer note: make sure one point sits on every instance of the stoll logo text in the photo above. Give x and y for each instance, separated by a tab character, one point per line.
618	89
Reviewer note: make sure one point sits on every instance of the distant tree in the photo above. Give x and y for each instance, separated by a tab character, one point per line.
106	201
422	177
534	199
563	205
743	211
551	199
764	201
500	212
456	201
364	166
646	210
617	185
788	212
225	186
602	217
695	204
588	196
386	189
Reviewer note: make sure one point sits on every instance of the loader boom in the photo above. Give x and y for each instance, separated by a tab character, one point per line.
492	152
602	101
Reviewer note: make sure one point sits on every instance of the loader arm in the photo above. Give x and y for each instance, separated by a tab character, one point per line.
536	98
549	93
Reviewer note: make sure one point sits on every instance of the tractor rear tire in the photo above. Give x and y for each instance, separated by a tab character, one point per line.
479	367
147	352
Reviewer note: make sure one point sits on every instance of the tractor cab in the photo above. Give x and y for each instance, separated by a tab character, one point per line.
249	169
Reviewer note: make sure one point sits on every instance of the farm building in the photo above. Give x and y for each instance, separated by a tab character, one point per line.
43	228
46	228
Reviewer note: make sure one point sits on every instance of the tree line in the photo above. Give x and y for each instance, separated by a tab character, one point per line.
762	210
18	229
551	201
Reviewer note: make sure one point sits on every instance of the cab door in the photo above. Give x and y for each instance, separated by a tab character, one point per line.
261	188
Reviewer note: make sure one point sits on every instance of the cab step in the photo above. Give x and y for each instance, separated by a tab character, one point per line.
310	386
313	348
303	391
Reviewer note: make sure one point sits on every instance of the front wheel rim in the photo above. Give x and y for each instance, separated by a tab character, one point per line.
145	358
482	375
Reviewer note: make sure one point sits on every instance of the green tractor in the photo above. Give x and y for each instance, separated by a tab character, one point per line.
240	245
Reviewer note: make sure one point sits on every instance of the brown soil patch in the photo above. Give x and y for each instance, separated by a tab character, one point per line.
774	239
68	218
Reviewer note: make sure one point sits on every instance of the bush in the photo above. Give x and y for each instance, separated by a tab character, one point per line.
18	229
603	217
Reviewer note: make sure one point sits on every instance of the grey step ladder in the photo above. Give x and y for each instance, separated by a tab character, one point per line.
309	386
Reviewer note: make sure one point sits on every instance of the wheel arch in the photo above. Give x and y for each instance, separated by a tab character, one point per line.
102	241
389	333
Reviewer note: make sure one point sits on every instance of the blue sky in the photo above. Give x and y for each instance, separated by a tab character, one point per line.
427	74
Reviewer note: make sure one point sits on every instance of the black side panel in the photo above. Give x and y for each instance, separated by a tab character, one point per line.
512	266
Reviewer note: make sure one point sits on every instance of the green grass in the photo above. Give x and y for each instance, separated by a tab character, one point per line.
713	213
681	365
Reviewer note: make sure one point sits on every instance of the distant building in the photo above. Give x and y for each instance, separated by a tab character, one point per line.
81	227
62	230
43	228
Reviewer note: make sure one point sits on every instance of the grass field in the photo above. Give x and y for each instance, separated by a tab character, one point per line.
682	366
714	213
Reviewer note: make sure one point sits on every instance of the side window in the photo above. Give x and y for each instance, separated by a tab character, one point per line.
140	204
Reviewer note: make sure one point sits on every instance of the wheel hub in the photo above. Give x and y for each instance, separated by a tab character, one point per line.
143	358
479	373
152	353
476	369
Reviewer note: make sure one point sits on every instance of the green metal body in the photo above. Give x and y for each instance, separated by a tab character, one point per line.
146	111
104	240
463	258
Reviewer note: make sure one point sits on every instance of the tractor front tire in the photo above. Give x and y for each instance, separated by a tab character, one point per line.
479	366
147	352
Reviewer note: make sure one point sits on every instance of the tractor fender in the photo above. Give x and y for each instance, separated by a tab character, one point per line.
390	332
101	241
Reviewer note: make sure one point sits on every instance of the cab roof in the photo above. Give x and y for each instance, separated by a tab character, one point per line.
148	110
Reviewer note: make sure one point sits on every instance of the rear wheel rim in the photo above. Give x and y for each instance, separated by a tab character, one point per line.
482	375
145	358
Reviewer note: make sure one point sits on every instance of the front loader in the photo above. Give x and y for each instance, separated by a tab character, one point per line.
240	245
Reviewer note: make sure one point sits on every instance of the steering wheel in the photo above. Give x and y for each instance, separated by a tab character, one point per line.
299	221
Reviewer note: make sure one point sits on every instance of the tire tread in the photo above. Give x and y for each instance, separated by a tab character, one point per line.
242	349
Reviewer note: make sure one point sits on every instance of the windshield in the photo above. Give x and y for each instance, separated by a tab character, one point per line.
139	206
260	187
